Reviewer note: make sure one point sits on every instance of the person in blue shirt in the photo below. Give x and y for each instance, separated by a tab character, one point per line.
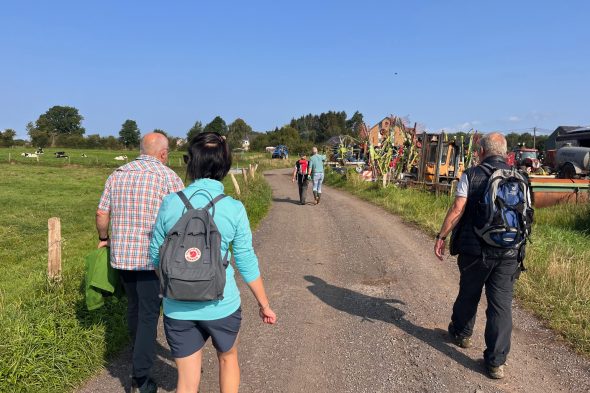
188	325
316	171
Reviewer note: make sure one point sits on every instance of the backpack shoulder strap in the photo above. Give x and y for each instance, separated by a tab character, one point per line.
213	202
487	168
185	200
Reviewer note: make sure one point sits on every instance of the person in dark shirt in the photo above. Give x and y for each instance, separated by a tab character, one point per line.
300	174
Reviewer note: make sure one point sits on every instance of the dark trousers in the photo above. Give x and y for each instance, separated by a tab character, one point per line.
302	183
498	277
143	311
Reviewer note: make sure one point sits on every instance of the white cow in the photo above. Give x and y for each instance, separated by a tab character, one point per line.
30	155
270	149
121	158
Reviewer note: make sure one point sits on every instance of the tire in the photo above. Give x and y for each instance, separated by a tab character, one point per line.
568	171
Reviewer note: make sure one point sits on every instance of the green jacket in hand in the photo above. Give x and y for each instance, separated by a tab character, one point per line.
101	279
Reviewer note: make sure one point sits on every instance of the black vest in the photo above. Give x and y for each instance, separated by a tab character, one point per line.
463	239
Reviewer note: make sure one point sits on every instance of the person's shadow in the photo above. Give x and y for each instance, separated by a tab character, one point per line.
371	308
118	355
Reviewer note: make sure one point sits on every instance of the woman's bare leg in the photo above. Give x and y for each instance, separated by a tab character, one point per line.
189	372
229	370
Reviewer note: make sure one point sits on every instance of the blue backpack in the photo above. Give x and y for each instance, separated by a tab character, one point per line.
505	212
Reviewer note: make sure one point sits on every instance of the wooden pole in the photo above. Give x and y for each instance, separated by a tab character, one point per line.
9	157
54	249
252	171
235	182
245	174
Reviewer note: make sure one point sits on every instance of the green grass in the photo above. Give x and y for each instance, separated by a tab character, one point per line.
50	342
556	286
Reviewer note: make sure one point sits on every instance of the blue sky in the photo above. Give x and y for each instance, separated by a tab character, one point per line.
505	65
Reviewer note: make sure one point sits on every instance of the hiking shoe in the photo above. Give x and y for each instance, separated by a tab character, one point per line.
149	386
463	342
495	372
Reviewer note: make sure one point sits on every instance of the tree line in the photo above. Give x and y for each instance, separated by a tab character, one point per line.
61	126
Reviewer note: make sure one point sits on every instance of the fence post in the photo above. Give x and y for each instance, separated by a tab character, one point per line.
245	174
252	171
54	249
9	157
235	182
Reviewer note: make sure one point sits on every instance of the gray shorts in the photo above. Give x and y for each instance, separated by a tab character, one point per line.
187	337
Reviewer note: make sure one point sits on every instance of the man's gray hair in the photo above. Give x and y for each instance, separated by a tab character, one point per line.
494	144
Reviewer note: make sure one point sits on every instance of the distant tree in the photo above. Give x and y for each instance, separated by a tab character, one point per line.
237	132
60	120
7	137
129	134
353	125
111	143
93	141
217	125
196	129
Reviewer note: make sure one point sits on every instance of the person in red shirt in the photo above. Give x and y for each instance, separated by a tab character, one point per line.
300	174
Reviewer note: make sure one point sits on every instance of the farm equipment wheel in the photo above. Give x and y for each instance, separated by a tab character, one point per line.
567	171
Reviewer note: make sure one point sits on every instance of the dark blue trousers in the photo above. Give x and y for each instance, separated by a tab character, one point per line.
143	311
498	277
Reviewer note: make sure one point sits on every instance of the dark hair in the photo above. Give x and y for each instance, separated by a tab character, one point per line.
209	157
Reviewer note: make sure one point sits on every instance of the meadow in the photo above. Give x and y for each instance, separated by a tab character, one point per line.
556	285
50	342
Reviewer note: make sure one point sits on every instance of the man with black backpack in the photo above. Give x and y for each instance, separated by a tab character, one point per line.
490	221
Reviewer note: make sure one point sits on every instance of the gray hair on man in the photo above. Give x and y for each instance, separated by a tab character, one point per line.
494	144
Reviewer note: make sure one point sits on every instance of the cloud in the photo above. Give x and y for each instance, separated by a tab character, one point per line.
514	118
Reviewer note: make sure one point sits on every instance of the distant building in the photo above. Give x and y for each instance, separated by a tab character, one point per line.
380	131
561	130
246	144
180	142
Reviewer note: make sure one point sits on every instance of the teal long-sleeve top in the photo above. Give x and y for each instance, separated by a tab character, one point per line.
316	163
232	222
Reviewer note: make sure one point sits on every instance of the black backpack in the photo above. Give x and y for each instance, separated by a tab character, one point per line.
504	212
191	267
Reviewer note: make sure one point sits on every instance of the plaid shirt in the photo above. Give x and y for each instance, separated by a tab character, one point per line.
132	195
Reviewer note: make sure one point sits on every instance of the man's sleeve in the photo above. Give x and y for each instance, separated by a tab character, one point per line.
175	183
462	186
105	198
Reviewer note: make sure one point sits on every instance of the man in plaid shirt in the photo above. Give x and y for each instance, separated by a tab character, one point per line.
129	203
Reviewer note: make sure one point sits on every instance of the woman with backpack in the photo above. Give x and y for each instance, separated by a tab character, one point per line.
189	323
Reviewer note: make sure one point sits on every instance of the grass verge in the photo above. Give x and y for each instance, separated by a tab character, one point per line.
556	286
50	342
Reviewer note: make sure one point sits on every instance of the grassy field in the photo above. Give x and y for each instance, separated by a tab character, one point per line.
50	342
556	286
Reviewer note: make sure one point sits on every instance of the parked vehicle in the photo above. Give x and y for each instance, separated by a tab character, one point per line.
524	158
281	151
573	162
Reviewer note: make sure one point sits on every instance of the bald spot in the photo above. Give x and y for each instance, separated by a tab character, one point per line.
153	143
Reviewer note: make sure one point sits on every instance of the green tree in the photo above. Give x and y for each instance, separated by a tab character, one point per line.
129	134
7	137
60	120
217	125
194	131
93	141
353	125
237	132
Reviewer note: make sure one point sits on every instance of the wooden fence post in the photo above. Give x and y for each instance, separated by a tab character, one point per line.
245	174
235	182
9	157
54	249
252	171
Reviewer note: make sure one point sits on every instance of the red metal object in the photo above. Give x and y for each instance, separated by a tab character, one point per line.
551	191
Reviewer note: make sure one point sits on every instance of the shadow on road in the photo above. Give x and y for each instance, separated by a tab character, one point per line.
286	200
371	308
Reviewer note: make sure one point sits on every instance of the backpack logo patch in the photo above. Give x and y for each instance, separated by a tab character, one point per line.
192	254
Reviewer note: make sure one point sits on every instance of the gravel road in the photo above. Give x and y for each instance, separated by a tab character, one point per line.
363	306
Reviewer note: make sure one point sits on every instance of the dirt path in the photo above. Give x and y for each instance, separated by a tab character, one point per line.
363	306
